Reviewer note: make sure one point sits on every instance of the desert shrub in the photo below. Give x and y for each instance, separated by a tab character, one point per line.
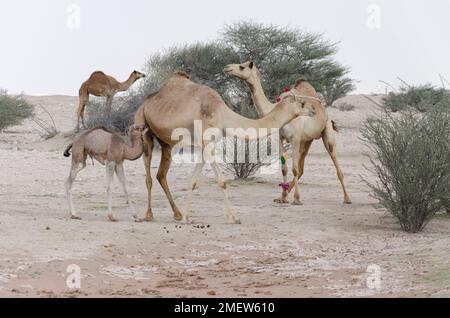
244	169
346	107
121	117
47	126
13	110
411	162
420	98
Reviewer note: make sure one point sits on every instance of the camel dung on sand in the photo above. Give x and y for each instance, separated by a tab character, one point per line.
110	150
300	132
180	103
102	85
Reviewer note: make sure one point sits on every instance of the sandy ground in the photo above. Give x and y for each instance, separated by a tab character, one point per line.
322	248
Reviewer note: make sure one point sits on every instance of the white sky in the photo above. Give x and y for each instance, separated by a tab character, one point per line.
40	54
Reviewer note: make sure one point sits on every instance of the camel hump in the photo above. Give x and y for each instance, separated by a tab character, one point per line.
301	80
178	78
98	73
152	95
91	130
182	74
305	87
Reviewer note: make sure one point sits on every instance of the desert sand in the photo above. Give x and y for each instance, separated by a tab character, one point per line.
323	248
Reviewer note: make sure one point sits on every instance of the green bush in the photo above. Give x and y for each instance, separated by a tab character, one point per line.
13	110
411	162
421	98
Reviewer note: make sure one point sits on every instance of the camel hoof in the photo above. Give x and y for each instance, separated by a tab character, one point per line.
148	219
348	202
297	202
138	220
281	201
234	221
178	217
73	217
112	219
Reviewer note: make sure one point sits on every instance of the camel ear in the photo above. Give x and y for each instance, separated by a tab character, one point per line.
251	65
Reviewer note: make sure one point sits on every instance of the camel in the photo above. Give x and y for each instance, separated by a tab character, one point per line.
180	103
300	133
100	84
110	150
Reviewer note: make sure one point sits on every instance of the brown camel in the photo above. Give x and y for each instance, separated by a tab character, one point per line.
100	84
178	105
110	150
300	132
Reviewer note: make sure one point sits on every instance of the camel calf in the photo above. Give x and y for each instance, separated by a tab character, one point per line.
110	150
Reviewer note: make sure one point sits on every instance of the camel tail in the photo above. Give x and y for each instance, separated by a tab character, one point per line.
335	126
67	151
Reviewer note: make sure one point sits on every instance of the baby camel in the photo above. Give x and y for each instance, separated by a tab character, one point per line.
100	84
110	150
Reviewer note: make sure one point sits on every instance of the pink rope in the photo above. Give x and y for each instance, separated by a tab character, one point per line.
285	186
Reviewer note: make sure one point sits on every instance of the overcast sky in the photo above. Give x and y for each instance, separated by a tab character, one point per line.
46	49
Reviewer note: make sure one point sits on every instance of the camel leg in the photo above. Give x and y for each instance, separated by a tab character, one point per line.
148	144
193	185
329	141
75	169
166	159
121	176
284	171
295	169
110	167
222	184
84	99
304	149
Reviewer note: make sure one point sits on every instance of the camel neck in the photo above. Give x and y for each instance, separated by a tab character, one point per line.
135	151
235	124
262	104
124	86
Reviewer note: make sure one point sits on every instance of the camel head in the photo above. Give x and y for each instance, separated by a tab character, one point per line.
297	104
137	75
137	130
246	71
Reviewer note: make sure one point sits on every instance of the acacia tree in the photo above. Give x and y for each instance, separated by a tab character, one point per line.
282	54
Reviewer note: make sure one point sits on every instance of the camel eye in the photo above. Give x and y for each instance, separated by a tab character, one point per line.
242	68
303	104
